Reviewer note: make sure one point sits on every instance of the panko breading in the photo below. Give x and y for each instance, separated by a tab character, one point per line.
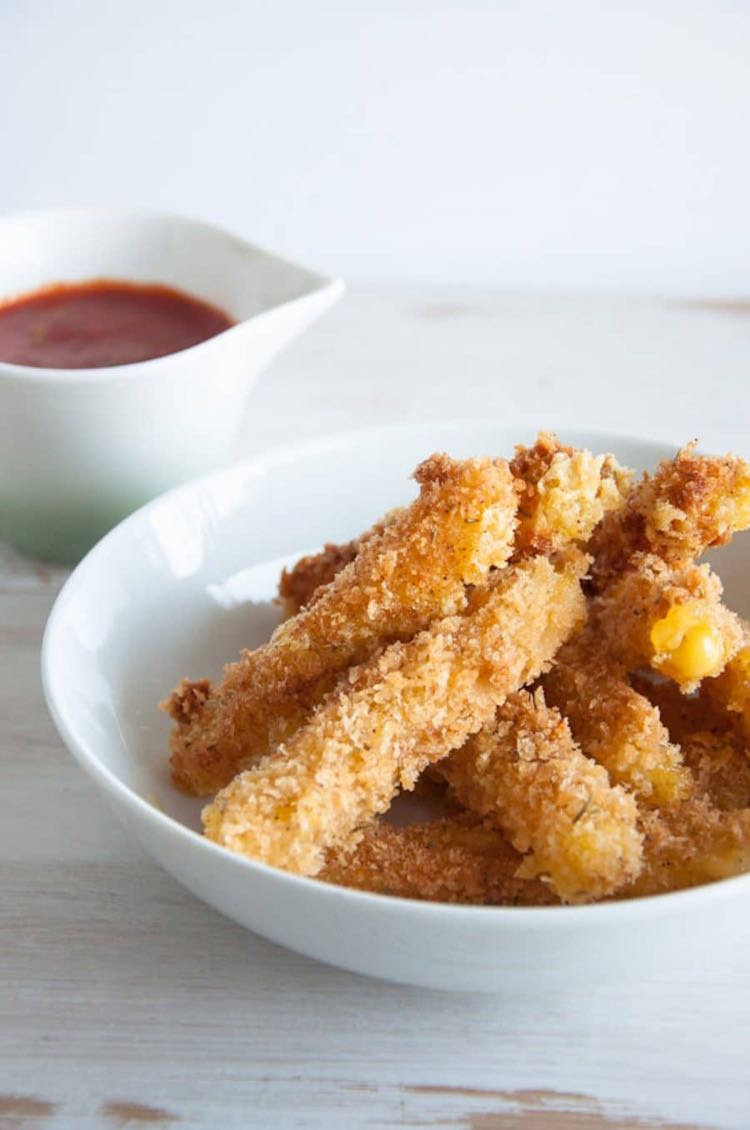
614	724
414	571
454	859
671	620
403	710
297	585
626	772
730	691
524	772
721	769
564	494
692	844
682	714
302	583
691	502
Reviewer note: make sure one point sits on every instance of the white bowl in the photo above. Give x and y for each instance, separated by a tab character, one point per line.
180	586
80	448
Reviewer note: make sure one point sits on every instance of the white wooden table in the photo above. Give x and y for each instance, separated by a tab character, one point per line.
127	1003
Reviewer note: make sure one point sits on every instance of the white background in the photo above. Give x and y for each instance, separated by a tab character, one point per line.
584	144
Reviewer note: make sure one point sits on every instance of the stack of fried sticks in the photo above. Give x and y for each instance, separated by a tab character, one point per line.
531	639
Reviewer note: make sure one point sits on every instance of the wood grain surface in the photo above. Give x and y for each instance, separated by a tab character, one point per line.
127	1003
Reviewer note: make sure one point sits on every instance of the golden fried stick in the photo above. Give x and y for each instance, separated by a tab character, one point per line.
563	494
454	859
692	844
672	620
525	773
414	571
614	724
690	503
399	712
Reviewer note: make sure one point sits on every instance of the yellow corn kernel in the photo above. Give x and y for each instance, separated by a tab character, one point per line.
688	645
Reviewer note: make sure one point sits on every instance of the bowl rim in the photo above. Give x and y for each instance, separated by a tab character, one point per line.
516	917
320	284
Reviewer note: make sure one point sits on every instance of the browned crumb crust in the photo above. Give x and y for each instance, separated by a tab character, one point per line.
414	571
396	714
187	699
529	465
692	844
302	584
297	585
720	768
614	724
525	773
456	859
378	679
625	614
691	503
682	714
562	495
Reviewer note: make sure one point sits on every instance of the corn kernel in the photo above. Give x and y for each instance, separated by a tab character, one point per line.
691	646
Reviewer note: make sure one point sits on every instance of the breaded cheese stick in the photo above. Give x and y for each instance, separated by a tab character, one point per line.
670	620
454	859
391	717
414	571
525	773
563	494
691	502
614	724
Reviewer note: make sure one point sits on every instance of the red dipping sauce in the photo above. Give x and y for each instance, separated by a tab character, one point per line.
98	324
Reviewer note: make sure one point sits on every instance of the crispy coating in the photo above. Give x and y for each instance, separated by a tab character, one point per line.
720	767
652	614
298	584
406	708
563	493
614	724
454	859
730	691
404	664
692	844
525	772
415	570
712	748
689	504
682	714
301	584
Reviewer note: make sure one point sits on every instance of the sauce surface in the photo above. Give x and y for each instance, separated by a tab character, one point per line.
103	323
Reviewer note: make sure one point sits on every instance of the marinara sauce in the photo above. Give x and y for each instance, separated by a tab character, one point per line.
102	323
